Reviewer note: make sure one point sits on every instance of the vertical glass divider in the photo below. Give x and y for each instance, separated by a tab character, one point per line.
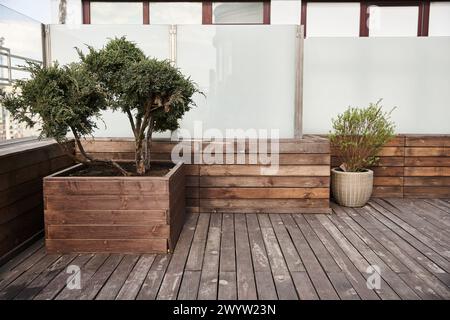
173	44
298	114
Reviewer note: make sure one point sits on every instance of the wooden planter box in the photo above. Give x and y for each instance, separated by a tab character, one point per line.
113	214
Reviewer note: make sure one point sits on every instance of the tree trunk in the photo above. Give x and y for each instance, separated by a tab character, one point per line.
140	157
148	145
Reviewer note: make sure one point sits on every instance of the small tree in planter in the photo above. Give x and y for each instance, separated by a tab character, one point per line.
357	137
152	93
60	100
125	212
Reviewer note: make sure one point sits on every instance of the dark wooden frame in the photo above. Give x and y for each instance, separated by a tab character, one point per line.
114	214
206	11
422	23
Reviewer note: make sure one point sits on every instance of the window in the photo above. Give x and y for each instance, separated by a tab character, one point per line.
386	21
116	12
439	19
176	13
238	12
333	19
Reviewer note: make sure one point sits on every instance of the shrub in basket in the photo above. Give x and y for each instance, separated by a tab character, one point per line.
102	205
357	137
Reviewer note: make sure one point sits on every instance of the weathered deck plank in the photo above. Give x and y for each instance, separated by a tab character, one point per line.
262	256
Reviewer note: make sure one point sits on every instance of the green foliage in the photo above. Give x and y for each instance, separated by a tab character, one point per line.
359	134
152	93
157	87
59	99
108	65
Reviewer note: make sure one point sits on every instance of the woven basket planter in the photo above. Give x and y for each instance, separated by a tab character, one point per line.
351	189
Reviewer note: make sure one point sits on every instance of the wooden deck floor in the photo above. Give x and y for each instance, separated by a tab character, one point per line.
265	256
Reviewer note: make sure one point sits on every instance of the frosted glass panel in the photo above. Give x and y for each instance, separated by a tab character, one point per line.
21	34
333	19
117	12
393	21
153	40
439	24
410	73
246	72
237	12
176	13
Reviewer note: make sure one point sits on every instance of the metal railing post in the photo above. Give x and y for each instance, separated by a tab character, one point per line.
298	115
173	44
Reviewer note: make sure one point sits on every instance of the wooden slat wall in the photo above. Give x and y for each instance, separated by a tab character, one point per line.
412	166
22	167
300	185
427	167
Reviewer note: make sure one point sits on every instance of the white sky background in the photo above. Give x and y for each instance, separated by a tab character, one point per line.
37	9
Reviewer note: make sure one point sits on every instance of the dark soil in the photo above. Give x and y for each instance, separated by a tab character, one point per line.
156	170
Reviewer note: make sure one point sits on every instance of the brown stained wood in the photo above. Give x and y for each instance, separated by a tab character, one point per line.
22	167
196	253
320	251
172	278
386	191
391	152
103	202
263	205
250	170
304	287
105	210
74	186
427	171
282	279
385	292
427	161
388	181
246	286
209	279
115	282
303	163
227	285
21	282
263	193
427	151
390	236
106	217
260	182
60	281
109	245
388	268
91	289
428	258
86	273
107	232
264	285
427	192
427	141
154	277
227	245
189	285
290	254
427	181
343	286
357	278
132	285
388	171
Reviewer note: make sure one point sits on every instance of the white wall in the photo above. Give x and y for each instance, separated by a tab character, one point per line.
439	19
412	74
285	12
